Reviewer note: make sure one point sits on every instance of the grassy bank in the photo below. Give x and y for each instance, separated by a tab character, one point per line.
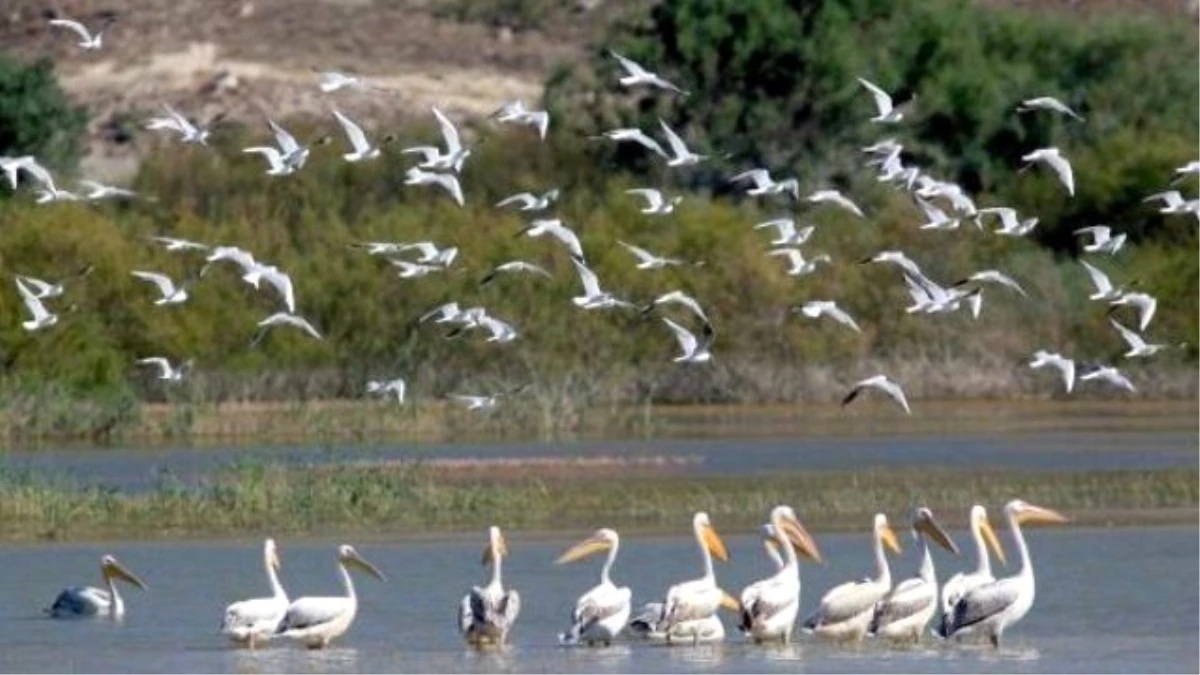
398	499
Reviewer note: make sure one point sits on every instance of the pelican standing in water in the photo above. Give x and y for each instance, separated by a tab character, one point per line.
248	622
487	613
84	601
689	612
769	607
601	613
991	608
985	538
316	621
846	610
904	612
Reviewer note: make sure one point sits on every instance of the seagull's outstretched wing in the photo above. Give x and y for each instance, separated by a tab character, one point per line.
883	100
76	27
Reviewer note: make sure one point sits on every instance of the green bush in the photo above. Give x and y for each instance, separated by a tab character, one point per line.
35	116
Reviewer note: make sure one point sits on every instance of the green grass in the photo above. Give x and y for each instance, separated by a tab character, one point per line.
255	498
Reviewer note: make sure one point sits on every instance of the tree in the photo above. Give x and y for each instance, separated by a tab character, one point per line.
35	116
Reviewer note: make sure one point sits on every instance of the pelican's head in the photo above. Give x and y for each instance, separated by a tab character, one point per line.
347	556
709	537
981	524
497	547
924	523
111	569
1024	512
784	521
602	540
271	551
885	534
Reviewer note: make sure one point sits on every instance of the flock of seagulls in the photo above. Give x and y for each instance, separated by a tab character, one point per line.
972	604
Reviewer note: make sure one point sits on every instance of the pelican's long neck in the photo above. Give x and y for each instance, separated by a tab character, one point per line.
983	562
347	582
708	564
272	578
1026	561
608	563
116	606
496	564
926	570
790	562
883	574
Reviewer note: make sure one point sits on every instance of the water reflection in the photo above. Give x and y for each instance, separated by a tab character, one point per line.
287	659
696	655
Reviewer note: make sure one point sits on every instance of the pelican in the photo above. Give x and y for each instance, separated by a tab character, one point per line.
991	608
1057	163
769	607
248	622
904	612
985	538
689	612
601	613
316	621
883	103
889	387
1047	103
87	40
846	610
83	601
814	309
487	613
636	74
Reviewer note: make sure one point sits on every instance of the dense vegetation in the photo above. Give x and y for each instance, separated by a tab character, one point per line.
773	84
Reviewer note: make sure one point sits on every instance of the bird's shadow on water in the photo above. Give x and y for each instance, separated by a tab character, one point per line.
284	659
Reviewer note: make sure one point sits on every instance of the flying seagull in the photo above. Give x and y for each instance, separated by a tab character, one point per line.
882	383
527	201
635	74
170	294
514	266
834	197
1103	240
358	140
817	308
87	40
165	370
1052	158
1042	358
447	181
648	260
1047	103
694	351
1110	375
386	387
283	319
655	202
1138	347
883	104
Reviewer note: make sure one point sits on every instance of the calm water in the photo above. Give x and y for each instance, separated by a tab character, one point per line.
1108	600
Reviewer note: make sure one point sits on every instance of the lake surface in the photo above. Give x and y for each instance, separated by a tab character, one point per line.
1109	600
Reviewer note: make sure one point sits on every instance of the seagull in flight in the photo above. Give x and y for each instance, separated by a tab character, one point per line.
174	121
678	298
87	40
174	244
1111	375
694	350
165	370
1137	345
655	202
1104	288
1192	168
1103	240
434	158
993	277
1010	224
1047	103
834	197
1145	304
935	218
555	228
332	80
788	235
414	270
527	201
648	260
514	266
593	297
765	185
883	104
283	319
882	383
635	136
501	331
817	308
514	112
40	317
1065	366
1173	202
395	387
635	74
682	155
800	266
447	181
1052	158
170	294
358	140
28	164
275	162
43	290
97	191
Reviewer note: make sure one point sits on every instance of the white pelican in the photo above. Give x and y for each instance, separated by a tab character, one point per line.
769	607
991	608
886	385
1047	103
689	612
815	309
82	601
694	350
248	622
487	613
165	370
601	613
905	611
636	74
846	610
1057	163
648	260
883	103
87	40
985	538
316	621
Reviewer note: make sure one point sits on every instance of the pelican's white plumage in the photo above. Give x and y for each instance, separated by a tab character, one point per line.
248	622
905	611
486	614
315	621
601	613
989	609
984	537
88	601
846	610
769	607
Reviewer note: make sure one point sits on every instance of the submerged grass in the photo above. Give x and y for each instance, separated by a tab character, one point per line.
252	498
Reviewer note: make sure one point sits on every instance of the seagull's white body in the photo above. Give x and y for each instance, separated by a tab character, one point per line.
315	621
1042	358
477	402
249	622
798	265
882	383
846	610
434	158
679	298
40	316
694	351
1145	303
836	198
166	371
883	103
363	149
682	156
527	201
994	277
446	181
1100	281
1138	347
515	112
515	266
788	235
275	163
656	203
555	228
636	136
1010	224
935	218
635	74
97	191
1052	158
87	40
648	260
765	185
331	81
593	297
174	121
1103	240
814	309
12	167
1048	103
170	294
287	319
1173	202
1110	375
396	387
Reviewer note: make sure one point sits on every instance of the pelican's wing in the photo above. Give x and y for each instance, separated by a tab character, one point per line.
647	620
78	28
905	600
883	101
79	601
469	608
254	615
984	602
310	612
449	132
508	608
354	133
844	602
164	283
687	341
